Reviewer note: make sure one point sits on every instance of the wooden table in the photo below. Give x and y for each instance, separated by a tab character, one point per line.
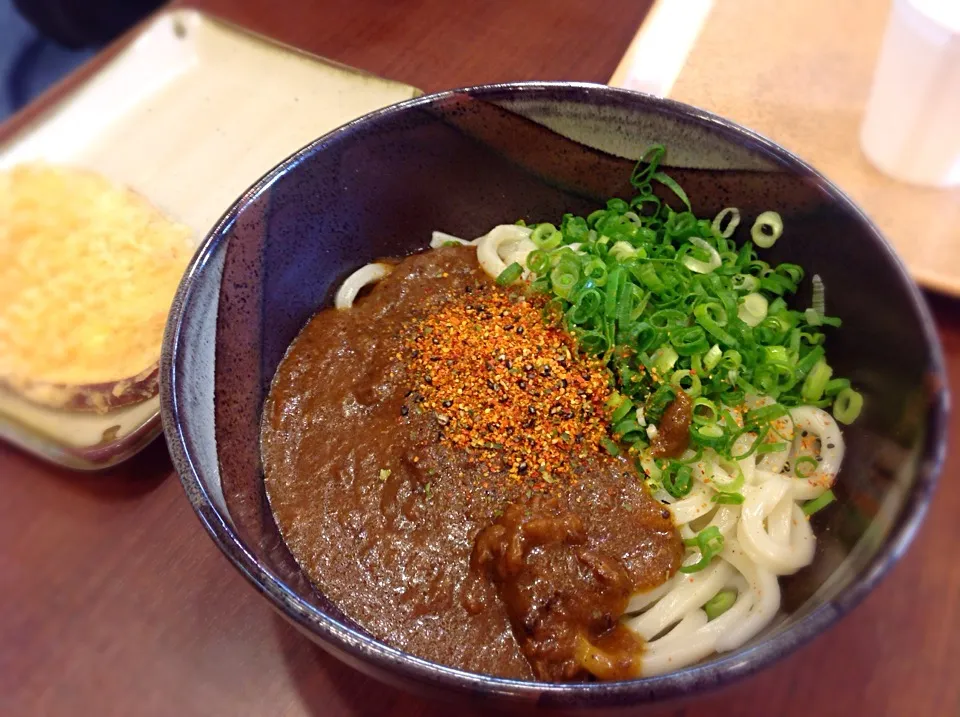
114	601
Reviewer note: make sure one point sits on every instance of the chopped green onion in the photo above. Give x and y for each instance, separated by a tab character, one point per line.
686	381
712	357
719	603
819	301
564	277
669	301
546	236
836	385
819	503
766	229
765	414
621	410
775	447
669	182
847	406
702	267
709	435
753	309
664	359
623	250
538	261
734	222
689	341
612	448
805	461
677	479
710	542
510	274
816	382
728	498
700	405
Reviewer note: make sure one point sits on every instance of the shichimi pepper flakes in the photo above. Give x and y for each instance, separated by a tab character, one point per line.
508	386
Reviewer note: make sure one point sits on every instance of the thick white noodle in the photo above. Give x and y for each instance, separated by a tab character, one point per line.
368	274
819	423
758	513
502	246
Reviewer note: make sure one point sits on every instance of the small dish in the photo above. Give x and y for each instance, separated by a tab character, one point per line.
172	116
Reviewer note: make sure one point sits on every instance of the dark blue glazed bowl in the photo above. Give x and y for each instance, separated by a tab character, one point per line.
463	161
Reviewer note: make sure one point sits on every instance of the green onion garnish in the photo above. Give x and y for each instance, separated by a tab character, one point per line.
728	498
510	274
766	230
819	503
670	302
805	466
710	542
720	603
847	405
612	448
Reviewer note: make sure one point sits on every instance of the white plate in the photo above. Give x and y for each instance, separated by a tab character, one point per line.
191	113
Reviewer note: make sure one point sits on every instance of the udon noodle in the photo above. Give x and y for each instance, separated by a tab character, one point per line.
694	615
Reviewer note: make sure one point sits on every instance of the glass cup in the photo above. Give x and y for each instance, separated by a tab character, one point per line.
911	125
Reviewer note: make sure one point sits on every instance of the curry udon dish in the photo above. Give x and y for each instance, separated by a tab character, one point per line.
561	454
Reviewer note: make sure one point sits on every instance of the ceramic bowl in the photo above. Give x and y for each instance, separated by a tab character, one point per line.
462	161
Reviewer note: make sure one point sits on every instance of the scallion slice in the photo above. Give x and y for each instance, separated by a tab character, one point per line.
819	503
510	274
719	603
766	229
847	405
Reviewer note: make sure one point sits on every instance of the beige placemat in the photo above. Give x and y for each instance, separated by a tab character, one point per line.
799	72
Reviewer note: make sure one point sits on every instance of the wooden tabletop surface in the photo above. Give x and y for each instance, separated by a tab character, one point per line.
113	601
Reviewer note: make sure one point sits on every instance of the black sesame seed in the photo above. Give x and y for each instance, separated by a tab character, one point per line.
531	410
520	330
434	358
508	327
428	380
522	384
522	468
664	513
414	353
404	410
509	364
447	403
830	445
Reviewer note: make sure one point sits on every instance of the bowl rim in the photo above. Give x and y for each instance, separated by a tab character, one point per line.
386	659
